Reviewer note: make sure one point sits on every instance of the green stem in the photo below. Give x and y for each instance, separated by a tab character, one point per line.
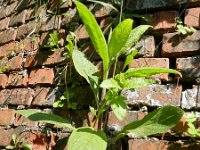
115	66
121	9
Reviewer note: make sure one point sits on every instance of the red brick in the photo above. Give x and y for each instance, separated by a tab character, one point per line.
175	45
45	96
25	30
147	144
154	95
17	96
30	44
41	76
189	67
10	9
130	117
102	11
30	14
90	52
6	117
164	20
146	46
6	136
15	63
152	62
4	24
3	80
192	17
18	19
23	121
7	36
49	23
7	49
16	79
45	58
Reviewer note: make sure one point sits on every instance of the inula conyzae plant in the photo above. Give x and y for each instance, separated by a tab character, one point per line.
107	92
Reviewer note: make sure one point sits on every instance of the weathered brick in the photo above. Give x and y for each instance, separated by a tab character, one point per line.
7	36
154	95
30	14
30	44
10	9
3	80
152	62
2	12
41	76
146	46
49	23
45	58
6	136
15	63
153	4
130	117
102	11
4	24
189	67
46	96
81	33
17	96
175	45
7	49
17	79
190	98
18	19
6	117
164	23
25	29
192	17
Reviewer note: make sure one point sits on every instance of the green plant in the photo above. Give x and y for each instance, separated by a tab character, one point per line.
120	40
18	144
183	29
192	131
53	41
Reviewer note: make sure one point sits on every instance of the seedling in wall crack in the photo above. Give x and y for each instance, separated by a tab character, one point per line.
107	92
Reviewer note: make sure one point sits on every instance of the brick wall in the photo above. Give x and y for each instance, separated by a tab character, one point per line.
33	78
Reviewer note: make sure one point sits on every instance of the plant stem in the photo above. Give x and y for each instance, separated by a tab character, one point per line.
121	9
115	66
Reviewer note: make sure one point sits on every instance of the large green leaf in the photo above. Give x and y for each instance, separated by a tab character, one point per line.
87	70
45	118
119	37
129	58
134	37
110	83
137	83
148	71
94	32
159	121
87	139
119	107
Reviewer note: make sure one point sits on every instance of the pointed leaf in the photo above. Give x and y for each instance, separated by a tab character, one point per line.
87	139
110	83
86	69
148	71
159	121
129	58
134	37
45	118
94	32
119	107
137	83
119	37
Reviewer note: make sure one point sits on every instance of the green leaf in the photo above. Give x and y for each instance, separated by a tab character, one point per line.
129	58
137	83
104	4
94	32
158	121
87	70
87	139
45	118
118	39
14	138
10	147
119	107
134	37
148	71
110	83
27	147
